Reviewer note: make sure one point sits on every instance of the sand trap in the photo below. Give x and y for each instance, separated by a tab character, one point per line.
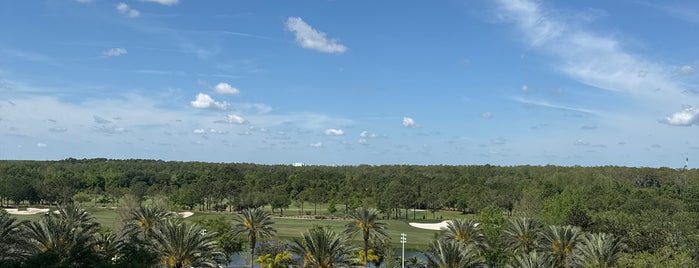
431	226
29	211
185	214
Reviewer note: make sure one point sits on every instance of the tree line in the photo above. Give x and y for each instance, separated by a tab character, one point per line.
654	210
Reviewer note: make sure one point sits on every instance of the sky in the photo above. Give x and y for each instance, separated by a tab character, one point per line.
453	82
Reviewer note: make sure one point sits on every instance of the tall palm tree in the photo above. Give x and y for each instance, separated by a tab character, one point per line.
452	254
320	247
465	232
531	260
180	245
521	234
10	238
142	220
366	221
559	242
256	224
598	250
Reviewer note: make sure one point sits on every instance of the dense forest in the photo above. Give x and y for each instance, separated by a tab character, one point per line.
652	210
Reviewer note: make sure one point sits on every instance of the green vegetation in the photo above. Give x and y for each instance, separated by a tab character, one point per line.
635	216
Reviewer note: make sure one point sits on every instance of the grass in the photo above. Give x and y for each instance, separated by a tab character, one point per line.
288	228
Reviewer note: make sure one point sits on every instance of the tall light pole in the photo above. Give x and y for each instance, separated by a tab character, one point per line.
403	239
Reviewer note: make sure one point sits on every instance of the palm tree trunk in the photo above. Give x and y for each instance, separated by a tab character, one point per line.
252	253
366	249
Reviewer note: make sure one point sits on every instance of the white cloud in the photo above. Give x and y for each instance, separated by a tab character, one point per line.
259	108
235	119
316	144
363	141
365	134
499	141
554	106
687	117
110	130
225	88
580	142
307	37
525	89
409	122
41	145
486	115
124	9
216	131
58	129
204	101
163	2
199	131
686	69
334	132
115	52
591	58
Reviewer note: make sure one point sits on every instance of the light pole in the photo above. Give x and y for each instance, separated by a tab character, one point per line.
403	239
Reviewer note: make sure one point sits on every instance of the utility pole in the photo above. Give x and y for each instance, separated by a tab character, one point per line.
403	239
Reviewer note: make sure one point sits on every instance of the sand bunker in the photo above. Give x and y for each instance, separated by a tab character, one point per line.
29	211
431	226
185	214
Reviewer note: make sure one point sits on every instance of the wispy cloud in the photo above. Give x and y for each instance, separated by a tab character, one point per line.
243	34
124	9
686	70
310	38
115	52
546	104
27	55
316	145
163	2
688	13
589	57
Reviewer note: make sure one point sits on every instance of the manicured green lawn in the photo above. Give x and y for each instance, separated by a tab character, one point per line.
288	228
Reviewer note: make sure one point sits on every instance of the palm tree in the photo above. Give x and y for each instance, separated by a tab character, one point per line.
520	235
108	245
559	242
531	260
465	232
598	250
366	222
452	254
256	224
10	239
320	247
64	237
76	216
180	245
141	221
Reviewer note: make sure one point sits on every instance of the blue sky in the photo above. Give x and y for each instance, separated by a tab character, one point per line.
503	82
